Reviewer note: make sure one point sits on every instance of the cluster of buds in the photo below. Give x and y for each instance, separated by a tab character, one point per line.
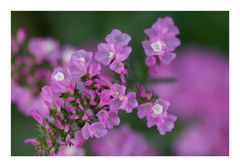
84	102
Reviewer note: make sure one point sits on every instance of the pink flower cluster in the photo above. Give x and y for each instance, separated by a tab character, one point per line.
114	52
162	42
83	102
32	69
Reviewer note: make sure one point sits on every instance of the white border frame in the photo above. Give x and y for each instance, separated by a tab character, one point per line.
96	5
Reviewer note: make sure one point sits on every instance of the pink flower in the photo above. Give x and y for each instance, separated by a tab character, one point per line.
83	56
105	53
109	119
132	102
61	78
77	68
117	66
44	48
66	53
94	69
115	48
162	26
116	37
21	36
162	41
47	96
18	40
104	97
156	114
96	129
118	90
119	100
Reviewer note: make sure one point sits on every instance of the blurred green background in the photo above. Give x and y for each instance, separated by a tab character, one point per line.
207	29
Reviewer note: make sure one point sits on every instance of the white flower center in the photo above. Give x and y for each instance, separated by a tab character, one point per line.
59	76
82	59
117	93
110	54
157	109
157	46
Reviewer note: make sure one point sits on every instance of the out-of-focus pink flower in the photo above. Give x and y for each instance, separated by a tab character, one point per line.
18	40
122	142
31	70
66	53
200	98
44	48
201	140
21	35
70	151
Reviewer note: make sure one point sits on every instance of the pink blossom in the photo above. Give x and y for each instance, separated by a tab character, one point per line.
66	53
109	119
94	69
61	78
44	48
21	36
104	97
77	68
115	48
117	66
83	56
116	37
96	129
105	53
156	114
162	41
132	102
